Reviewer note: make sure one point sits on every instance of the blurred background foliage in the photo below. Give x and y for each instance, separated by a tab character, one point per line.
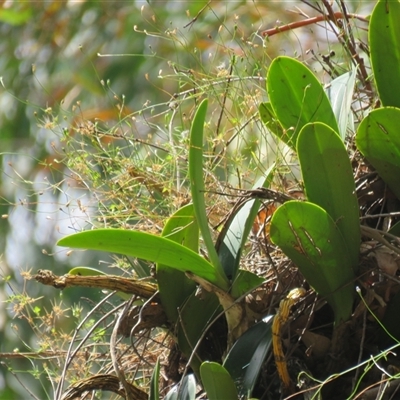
75	68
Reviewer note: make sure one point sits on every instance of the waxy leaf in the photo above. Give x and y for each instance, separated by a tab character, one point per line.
384	42
195	316
270	120
340	93
154	393
217	382
244	282
148	247
185	390
173	285
312	240
328	180
233	237
297	98
378	139
197	183
245	358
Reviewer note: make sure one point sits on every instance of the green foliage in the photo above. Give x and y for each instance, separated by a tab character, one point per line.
268	117
309	236
145	167
186	390
377	135
182	228
384	41
154	393
321	236
244	360
329	183
197	182
378	140
233	238
195	316
217	382
340	93
146	246
175	253
297	98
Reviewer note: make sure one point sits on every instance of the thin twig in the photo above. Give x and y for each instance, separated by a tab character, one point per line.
113	349
379	237
20	382
309	21
197	16
392	214
223	102
361	351
71	354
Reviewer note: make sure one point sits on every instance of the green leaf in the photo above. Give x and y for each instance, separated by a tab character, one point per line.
86	271
154	393
197	182
329	182
183	391
395	229
217	382
233	237
245	359
244	282
340	93
173	285
384	42
378	139
269	119
297	97
311	239
195	316
148	247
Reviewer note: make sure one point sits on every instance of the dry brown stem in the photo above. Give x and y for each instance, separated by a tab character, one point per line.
108	282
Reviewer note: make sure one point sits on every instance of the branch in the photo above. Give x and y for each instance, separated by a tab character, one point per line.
108	282
310	21
102	382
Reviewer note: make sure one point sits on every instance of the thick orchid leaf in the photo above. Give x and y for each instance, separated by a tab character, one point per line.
183	391
378	139
217	382
308	235
340	93
297	97
86	271
270	120
195	316
246	356
260	354
244	282
329	182
148	247
197	182
235	311
154	392
384	43
173	285
233	237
